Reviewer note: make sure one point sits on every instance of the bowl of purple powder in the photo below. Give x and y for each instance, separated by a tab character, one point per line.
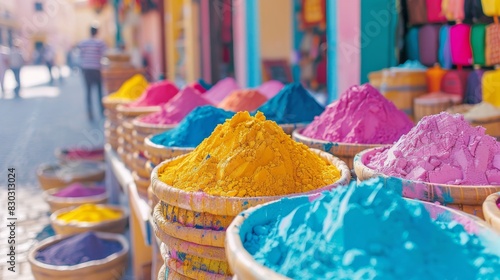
90	255
491	210
75	194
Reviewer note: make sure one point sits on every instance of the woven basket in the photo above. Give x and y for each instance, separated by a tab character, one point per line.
141	183
188	272
112	104
214	213
62	156
139	165
158	153
110	268
113	226
152	199
132	112
290	127
244	265
49	180
201	219
138	142
433	104
491	211
344	151
56	203
466	198
148	129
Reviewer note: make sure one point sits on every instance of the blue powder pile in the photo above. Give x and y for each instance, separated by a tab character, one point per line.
194	128
293	104
78	249
369	232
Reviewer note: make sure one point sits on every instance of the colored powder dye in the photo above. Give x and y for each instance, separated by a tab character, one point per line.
270	88
369	232
80	190
247	157
243	100
156	94
293	104
177	108
221	90
131	89
77	249
90	213
361	115
411	65
444	149
194	128
483	110
197	86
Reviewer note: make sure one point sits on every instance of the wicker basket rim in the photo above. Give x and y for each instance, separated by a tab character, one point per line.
122	109
487	120
359	159
137	122
49	197
53	217
297	134
99	168
57	238
151	145
344	179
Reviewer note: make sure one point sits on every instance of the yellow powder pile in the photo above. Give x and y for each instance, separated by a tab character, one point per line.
247	157
131	89
90	213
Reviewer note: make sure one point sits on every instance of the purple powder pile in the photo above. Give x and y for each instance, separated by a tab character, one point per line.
78	249
80	190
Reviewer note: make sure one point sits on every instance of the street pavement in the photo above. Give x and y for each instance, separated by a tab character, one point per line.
47	117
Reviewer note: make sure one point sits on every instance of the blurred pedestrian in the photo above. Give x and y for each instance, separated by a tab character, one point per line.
4	65
48	56
91	52
16	62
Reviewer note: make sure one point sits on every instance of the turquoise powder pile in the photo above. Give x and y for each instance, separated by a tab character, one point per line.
369	232
194	128
293	104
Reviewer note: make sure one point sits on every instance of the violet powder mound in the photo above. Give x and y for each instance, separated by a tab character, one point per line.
78	249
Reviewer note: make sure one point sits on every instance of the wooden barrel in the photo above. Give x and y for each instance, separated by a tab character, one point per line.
434	103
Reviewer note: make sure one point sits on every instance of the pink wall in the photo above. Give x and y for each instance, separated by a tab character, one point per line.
349	54
240	44
150	41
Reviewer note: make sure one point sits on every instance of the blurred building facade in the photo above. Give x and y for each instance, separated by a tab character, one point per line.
8	24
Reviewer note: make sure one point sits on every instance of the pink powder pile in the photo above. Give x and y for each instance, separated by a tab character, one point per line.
80	190
177	108
156	94
270	88
444	149
363	116
221	89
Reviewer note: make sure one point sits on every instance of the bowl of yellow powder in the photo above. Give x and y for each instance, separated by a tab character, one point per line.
245	162
89	217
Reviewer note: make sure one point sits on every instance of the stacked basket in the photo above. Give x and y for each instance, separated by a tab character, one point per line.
192	225
491	124
126	128
139	161
112	121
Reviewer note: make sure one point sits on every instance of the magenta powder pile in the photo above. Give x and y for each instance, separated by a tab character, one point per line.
443	149
80	190
156	94
177	108
361	116
221	90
